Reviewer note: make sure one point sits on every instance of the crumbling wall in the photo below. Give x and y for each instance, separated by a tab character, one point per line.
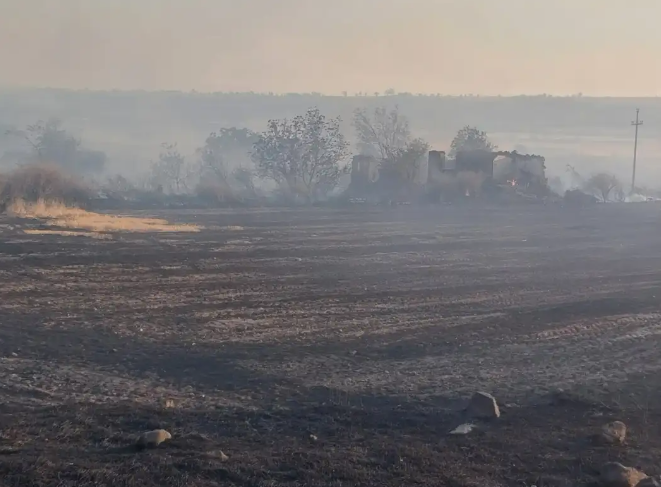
364	171
521	169
479	161
435	165
364	168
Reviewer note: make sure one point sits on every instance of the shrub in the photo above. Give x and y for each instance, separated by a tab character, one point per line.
216	193
32	183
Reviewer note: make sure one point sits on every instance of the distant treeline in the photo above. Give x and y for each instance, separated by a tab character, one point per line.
594	134
427	112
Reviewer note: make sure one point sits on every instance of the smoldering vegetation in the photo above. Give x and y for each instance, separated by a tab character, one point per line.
309	158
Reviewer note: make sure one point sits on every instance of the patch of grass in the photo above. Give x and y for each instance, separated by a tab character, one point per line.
60	215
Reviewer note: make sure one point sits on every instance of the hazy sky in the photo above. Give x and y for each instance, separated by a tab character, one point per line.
597	47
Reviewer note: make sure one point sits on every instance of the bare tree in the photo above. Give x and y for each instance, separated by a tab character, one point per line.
170	172
576	179
603	185
384	132
302	154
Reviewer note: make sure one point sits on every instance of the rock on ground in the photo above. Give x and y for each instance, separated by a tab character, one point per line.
217	455
615	474
462	429
152	439
614	432
483	405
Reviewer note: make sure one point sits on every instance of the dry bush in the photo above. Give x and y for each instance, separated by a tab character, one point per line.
216	193
605	186
119	187
293	193
63	216
33	183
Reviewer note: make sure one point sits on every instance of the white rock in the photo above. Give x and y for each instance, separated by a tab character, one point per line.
463	429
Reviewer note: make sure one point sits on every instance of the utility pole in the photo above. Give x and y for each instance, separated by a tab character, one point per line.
635	150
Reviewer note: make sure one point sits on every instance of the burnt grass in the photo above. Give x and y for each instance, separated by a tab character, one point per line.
333	347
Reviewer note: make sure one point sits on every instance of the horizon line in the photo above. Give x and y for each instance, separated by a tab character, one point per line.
343	94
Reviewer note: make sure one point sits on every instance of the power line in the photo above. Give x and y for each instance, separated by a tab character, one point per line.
637	124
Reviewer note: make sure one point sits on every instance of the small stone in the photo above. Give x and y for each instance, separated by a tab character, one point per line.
614	432
14	354
615	474
483	405
313	438
152	439
463	429
216	455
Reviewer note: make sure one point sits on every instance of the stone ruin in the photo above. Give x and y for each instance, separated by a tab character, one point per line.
505	167
525	172
364	171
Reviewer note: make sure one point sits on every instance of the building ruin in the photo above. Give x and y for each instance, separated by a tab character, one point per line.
526	171
501	166
364	171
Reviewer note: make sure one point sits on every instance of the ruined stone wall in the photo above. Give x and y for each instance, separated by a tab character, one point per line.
525	169
435	165
364	170
476	161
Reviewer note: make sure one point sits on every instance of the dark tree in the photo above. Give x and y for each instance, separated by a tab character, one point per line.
170	172
226	149
49	143
383	132
470	138
302	154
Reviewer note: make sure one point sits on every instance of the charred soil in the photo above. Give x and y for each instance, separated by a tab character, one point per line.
326	347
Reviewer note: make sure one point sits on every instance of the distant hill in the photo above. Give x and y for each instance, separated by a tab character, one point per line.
590	133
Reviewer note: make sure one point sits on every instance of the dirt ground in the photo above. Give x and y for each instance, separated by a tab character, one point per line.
337	347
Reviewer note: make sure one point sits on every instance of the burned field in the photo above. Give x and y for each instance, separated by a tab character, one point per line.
332	347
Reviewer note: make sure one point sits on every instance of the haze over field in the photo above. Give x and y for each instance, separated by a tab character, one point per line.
231	220
452	47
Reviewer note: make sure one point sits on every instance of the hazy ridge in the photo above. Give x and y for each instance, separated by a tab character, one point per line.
590	133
